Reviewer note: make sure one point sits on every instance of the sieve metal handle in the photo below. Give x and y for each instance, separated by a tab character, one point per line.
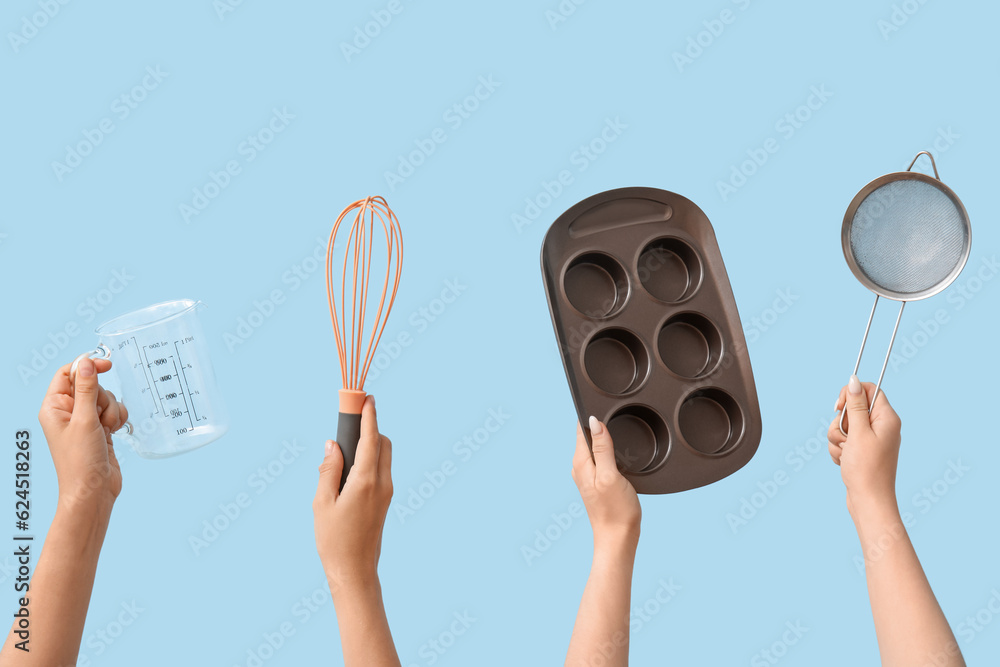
933	163
885	364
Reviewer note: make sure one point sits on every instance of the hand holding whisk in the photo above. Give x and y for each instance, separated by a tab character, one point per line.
357	322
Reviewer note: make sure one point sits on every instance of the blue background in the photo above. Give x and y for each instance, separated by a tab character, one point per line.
794	561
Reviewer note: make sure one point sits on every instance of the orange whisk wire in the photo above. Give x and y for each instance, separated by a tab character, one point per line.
358	256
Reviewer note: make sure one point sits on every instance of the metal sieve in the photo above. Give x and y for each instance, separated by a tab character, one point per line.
906	236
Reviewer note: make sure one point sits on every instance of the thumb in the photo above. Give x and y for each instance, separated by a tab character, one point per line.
602	446
857	407
85	390
331	469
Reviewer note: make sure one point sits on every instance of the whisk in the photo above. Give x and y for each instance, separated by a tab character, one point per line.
353	323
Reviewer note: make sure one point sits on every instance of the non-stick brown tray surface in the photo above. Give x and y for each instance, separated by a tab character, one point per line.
650	337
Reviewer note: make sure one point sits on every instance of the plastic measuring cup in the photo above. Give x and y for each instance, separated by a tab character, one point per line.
164	377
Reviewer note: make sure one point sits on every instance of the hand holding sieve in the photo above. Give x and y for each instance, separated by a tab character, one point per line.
906	236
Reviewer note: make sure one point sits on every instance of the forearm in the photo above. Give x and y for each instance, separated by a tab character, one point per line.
601	632
364	629
910	626
60	588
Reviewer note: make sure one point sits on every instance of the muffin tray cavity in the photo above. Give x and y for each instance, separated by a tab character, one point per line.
651	338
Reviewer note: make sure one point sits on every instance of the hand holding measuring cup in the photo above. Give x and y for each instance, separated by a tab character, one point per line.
78	417
164	373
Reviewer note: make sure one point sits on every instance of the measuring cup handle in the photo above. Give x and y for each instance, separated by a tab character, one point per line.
348	436
102	351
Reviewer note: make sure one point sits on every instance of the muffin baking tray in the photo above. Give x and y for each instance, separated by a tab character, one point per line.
651	338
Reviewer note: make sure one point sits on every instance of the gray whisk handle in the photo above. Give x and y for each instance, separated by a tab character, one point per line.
348	436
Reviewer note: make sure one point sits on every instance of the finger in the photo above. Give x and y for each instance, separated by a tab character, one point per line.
841	399
880	411
112	459
330	471
116	415
833	434
59	403
603	447
85	392
110	416
857	406
103	400
882	402
582	460
883	414
61	382
842	396
385	459
366	458
835	453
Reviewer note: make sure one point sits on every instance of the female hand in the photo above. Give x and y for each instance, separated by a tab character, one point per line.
611	502
348	523
601	633
869	453
78	417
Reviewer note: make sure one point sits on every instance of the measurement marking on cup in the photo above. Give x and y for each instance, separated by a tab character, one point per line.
145	371
162	411
187	383
187	410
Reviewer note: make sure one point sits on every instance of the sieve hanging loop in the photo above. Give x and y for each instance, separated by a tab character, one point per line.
933	163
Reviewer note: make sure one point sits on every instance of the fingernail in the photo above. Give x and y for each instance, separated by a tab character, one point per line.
836	405
596	427
328	450
372	399
854	386
86	368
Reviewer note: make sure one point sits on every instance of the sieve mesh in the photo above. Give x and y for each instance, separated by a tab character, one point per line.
907	236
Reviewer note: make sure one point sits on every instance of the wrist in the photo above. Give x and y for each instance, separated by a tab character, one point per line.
353	581
83	503
84	526
880	528
873	506
617	541
614	560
